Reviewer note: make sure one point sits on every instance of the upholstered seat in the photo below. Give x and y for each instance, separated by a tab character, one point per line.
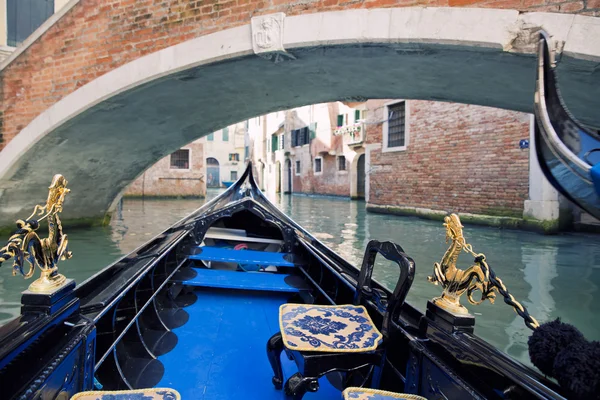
137	394
321	339
345	328
354	393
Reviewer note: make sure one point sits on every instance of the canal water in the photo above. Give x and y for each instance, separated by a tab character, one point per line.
554	276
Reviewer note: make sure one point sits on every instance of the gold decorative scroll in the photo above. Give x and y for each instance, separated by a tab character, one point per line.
456	281
25	246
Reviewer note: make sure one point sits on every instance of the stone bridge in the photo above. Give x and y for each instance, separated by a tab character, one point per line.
105	88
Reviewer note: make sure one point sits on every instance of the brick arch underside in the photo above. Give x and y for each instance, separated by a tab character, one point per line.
105	134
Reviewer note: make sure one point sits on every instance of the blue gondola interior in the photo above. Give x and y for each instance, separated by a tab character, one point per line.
220	352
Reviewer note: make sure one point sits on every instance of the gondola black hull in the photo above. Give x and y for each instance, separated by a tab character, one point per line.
121	325
566	150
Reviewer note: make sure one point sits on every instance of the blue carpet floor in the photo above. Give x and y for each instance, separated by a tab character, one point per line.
221	351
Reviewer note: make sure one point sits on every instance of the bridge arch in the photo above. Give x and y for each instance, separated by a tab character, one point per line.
107	132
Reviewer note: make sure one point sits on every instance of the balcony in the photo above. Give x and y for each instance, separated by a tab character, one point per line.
353	135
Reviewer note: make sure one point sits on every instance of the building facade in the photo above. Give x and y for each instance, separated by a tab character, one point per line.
303	150
209	162
400	156
446	157
225	152
180	174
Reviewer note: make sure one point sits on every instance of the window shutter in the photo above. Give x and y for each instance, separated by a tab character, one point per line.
225	134
294	138
340	121
356	115
303	136
274	144
313	130
24	17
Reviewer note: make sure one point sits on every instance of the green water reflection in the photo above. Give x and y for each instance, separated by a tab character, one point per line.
552	275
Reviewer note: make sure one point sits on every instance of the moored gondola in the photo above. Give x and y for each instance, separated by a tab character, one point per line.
239	301
568	152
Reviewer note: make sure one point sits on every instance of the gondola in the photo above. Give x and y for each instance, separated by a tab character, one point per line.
568	152
239	301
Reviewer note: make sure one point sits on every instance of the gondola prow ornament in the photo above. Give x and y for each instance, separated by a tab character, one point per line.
478	277
25	246
557	349
457	281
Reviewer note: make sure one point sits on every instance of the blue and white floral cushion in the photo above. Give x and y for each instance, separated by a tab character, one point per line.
354	393
138	394
345	328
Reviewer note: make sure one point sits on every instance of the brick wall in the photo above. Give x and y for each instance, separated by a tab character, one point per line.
161	180
96	36
330	181
459	158
300	184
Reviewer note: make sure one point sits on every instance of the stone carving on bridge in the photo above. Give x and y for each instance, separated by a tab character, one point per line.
267	37
523	37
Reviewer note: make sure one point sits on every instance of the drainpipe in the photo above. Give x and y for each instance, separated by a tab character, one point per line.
143	185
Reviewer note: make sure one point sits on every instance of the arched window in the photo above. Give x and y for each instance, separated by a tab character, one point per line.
213	174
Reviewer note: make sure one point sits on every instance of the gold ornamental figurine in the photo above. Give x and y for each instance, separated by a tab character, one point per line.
477	277
26	246
457	281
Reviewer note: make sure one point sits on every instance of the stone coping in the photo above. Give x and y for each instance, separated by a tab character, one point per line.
529	224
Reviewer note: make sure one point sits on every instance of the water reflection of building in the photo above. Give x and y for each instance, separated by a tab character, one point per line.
137	221
539	271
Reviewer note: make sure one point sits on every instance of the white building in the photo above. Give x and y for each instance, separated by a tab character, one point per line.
225	153
310	149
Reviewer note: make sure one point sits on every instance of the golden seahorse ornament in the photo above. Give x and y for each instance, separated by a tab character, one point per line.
25	246
457	281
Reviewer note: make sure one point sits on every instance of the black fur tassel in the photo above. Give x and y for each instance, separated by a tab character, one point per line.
560	351
577	370
548	340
